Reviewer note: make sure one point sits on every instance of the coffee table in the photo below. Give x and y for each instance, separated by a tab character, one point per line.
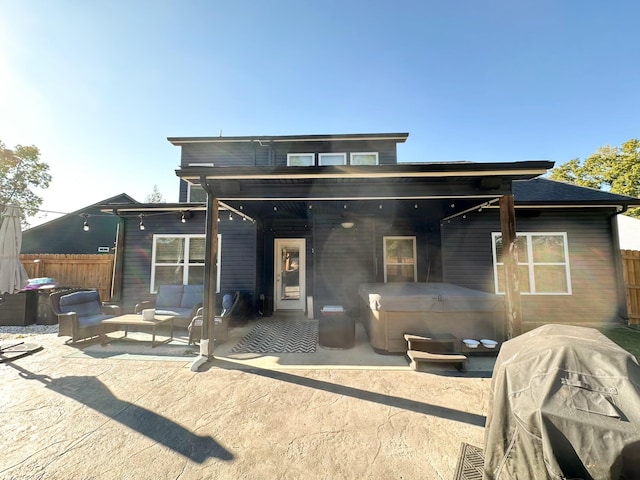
135	320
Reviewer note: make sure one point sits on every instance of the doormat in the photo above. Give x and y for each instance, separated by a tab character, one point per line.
280	336
470	463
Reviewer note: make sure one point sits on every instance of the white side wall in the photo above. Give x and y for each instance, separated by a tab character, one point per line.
629	232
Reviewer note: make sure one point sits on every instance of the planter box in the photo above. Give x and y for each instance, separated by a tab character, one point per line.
18	309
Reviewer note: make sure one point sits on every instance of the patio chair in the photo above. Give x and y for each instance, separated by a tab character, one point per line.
220	323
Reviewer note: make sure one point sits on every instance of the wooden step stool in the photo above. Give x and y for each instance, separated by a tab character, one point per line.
436	348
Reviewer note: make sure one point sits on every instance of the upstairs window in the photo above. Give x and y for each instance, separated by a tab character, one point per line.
332	159
364	158
195	193
543	263
300	159
400	259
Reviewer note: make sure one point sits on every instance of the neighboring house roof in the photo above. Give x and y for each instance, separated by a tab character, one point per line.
543	191
65	235
628	233
400	137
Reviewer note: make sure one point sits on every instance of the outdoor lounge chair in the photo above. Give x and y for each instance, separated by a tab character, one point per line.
80	313
220	323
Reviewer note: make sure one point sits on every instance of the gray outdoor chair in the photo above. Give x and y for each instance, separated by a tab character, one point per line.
220	323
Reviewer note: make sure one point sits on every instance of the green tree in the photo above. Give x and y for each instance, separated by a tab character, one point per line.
21	170
155	196
615	169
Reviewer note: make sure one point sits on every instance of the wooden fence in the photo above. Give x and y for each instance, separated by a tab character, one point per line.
87	271
631	271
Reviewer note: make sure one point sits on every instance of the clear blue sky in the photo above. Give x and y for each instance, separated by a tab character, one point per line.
98	86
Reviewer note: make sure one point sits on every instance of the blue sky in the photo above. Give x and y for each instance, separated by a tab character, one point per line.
98	86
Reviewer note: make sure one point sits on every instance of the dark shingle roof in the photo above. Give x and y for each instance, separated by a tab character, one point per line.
543	191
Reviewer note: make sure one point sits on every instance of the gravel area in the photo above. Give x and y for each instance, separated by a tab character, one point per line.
29	330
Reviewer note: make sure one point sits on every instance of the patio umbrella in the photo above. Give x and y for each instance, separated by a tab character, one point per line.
13	276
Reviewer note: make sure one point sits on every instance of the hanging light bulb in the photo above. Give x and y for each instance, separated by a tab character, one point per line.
141	222
182	218
85	225
230	217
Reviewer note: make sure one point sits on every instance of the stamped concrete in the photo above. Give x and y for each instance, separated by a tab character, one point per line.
66	414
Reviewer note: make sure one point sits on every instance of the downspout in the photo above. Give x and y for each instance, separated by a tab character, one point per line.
210	277
623	313
118	262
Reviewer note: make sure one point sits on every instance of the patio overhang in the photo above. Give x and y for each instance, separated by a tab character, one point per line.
404	189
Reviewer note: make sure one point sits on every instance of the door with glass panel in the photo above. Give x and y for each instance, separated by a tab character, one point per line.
289	271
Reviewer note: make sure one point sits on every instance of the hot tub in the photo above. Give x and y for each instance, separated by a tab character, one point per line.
389	310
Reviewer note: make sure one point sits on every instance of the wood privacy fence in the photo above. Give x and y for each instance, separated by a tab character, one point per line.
631	271
86	271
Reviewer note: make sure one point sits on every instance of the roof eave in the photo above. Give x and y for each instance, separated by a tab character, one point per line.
398	137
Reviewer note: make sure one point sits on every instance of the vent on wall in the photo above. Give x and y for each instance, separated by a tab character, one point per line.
103	249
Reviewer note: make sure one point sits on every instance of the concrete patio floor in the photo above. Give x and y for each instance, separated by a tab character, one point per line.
354	414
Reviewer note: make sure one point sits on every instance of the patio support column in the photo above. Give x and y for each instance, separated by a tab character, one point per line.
210	279
513	305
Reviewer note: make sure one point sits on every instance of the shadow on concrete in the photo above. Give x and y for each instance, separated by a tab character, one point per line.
389	400
91	392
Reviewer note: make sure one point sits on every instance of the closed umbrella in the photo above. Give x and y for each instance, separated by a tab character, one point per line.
13	276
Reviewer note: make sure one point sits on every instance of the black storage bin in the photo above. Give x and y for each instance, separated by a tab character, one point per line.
336	329
18	309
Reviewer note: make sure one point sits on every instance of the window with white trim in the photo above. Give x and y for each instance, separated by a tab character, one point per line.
364	158
332	159
300	159
195	193
400	259
543	263
179	260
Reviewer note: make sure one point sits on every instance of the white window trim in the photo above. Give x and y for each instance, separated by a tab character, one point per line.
384	253
364	153
185	272
332	154
530	263
301	154
189	186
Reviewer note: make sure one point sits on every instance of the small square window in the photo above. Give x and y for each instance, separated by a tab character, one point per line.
196	194
364	158
300	160
333	158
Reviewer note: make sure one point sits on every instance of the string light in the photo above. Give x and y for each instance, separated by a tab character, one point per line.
141	222
85	225
182	218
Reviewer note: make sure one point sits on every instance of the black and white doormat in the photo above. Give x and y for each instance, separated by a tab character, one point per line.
280	336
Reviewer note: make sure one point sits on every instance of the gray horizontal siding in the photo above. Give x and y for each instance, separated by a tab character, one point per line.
467	261
344	259
386	150
238	253
225	154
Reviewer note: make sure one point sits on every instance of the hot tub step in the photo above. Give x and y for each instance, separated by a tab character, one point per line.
456	359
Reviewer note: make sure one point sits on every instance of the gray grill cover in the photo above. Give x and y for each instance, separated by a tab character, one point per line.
565	403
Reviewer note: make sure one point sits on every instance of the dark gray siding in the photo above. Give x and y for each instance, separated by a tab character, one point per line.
344	258
467	261
240	154
238	271
386	149
249	154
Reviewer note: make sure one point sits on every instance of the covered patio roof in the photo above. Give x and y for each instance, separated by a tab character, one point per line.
400	190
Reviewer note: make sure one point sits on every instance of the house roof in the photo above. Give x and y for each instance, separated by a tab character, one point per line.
546	192
115	201
399	137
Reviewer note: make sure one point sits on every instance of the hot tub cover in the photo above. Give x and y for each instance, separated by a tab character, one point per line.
428	297
565	403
